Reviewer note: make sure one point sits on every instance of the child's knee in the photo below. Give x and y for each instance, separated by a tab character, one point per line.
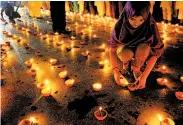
143	50
126	55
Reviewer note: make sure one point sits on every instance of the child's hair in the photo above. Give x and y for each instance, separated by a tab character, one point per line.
137	8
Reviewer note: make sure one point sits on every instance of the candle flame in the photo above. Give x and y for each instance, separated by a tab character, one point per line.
100	108
32	119
160	118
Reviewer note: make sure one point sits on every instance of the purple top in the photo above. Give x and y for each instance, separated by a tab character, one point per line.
123	33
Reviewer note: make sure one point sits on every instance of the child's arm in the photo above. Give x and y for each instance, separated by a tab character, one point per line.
145	74
114	64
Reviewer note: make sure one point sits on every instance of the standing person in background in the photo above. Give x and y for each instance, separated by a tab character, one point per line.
179	7
167	11
8	8
58	15
152	6
100	7
81	6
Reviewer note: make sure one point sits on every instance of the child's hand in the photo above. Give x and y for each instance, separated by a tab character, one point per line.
142	83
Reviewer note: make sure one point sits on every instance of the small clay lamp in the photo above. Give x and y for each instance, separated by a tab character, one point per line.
53	61
25	122
85	54
38	53
164	68
46	91
63	74
9	35
73	37
162	81
68	48
59	43
70	82
179	95
167	121
33	72
132	87
97	87
100	114
28	63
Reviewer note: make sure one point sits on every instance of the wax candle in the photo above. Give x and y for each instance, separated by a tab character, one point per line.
70	82
100	114
63	74
97	86
46	91
53	61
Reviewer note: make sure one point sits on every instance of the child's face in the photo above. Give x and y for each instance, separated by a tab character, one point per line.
136	21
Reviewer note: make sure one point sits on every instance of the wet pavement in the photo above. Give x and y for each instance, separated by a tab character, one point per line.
22	99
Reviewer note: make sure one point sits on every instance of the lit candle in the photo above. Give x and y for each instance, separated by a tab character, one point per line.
162	81
103	63
33	72
164	68
70	82
46	91
181	79
85	54
123	82
73	37
132	87
59	43
28	63
100	114
166	121
53	61
179	95
9	35
23	29
97	86
82	42
102	47
42	85
63	74
38	53
32	120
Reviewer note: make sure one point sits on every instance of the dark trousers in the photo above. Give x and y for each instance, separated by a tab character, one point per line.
58	15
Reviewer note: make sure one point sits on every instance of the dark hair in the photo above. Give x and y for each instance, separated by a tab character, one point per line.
137	8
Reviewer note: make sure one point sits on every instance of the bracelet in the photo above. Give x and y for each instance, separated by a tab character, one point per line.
115	68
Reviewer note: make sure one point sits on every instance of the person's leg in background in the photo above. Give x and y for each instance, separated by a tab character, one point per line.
58	16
